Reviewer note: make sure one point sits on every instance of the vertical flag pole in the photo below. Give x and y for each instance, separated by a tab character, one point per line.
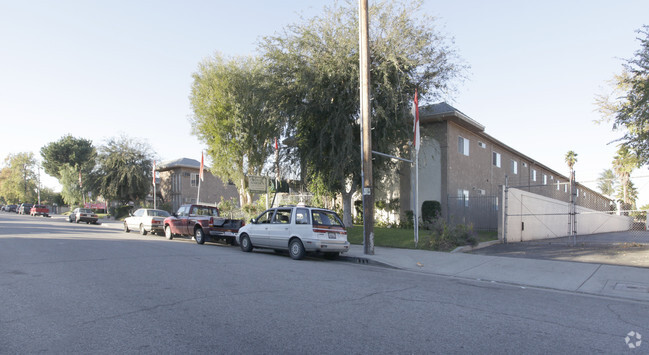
416	143
154	193
200	178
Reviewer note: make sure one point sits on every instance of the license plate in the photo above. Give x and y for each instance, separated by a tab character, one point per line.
332	235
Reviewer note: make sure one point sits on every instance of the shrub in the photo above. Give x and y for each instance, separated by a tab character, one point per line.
430	210
446	237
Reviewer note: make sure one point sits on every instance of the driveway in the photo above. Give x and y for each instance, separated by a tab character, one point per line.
622	248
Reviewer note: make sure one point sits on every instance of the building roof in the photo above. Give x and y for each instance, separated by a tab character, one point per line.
443	111
178	163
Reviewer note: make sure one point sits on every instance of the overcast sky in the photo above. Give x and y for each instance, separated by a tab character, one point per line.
99	69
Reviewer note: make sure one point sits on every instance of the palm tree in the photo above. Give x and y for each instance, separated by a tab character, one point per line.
571	159
624	163
606	182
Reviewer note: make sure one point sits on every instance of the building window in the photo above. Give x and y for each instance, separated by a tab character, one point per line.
514	164
463	198
545	179
194	181
533	175
496	159
463	146
558	185
482	145
524	164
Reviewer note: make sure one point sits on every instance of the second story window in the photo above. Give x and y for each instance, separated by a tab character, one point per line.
533	175
514	167
194	180
463	146
495	158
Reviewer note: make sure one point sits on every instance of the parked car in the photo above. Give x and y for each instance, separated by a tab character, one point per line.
24	208
146	220
298	229
83	215
39	210
10	208
203	223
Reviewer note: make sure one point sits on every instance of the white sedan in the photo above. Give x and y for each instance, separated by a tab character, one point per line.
146	220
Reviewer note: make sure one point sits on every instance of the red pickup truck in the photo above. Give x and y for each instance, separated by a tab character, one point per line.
39	210
203	223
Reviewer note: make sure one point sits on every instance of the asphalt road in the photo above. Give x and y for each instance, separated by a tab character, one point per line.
621	248
68	288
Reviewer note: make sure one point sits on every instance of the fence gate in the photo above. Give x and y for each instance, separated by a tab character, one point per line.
570	213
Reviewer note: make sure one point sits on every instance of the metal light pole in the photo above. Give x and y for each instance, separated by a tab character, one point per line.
366	130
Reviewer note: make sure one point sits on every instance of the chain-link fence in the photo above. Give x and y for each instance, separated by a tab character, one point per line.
481	212
569	212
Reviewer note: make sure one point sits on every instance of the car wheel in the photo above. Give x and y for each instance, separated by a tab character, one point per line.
296	249
168	234
331	256
126	227
245	243
142	230
199	235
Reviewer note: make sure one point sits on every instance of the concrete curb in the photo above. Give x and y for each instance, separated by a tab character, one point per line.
468	248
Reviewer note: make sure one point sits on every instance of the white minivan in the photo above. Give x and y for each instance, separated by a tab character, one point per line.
298	229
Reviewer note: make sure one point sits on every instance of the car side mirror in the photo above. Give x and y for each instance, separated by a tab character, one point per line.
253	220
175	214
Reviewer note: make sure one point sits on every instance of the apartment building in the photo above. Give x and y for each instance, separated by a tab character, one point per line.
463	168
179	180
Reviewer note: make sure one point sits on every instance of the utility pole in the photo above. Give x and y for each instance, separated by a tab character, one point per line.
366	131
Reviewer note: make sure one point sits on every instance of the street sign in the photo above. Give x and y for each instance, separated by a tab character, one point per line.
257	183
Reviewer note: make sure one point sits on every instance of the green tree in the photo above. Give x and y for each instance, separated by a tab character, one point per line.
628	105
624	162
315	68
124	170
628	195
67	159
606	182
78	153
18	179
235	117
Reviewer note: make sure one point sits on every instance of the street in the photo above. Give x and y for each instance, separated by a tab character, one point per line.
77	288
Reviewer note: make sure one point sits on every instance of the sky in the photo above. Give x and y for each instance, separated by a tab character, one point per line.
101	69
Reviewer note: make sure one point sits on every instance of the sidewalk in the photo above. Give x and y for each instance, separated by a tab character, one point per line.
591	278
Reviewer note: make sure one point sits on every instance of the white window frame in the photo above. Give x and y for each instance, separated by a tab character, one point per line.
465	195
514	165
482	145
495	159
463	145
194	179
533	175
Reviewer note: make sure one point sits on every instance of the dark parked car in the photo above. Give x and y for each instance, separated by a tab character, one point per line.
10	208
25	208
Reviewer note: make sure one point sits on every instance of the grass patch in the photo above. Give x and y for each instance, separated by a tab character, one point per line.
405	238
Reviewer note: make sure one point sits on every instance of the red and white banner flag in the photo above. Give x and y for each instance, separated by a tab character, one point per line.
153	171
415	112
200	174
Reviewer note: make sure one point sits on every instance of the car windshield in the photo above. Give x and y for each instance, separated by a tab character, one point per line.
85	210
326	218
158	213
